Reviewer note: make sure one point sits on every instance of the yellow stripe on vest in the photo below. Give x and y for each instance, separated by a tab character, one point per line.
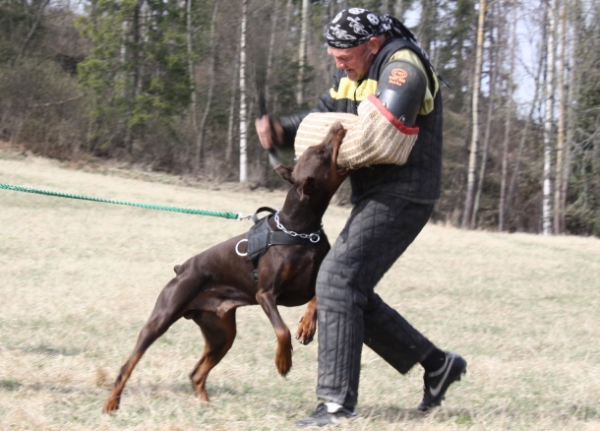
349	90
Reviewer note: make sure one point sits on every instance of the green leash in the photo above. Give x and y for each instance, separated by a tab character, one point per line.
224	214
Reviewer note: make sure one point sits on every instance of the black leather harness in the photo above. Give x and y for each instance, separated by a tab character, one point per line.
261	236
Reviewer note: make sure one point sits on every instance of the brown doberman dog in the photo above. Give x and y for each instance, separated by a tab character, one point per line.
211	285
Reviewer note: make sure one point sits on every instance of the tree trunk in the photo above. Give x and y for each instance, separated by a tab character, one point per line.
385	7
209	96
243	107
271	52
510	111
512	188
400	7
234	88
231	121
573	89
548	123
135	71
190	54
427	26
288	19
493	66
38	18
559	187
302	50
472	168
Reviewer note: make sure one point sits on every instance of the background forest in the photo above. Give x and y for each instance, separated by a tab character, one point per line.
173	85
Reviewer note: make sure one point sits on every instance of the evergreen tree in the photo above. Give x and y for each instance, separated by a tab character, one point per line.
137	69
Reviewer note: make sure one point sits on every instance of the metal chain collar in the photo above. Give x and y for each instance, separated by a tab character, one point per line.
313	237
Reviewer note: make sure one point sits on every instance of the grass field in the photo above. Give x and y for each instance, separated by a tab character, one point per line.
80	278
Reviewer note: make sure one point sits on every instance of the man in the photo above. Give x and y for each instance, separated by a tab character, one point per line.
375	56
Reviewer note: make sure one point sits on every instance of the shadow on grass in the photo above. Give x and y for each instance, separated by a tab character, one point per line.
47	349
11	385
392	414
50	350
183	387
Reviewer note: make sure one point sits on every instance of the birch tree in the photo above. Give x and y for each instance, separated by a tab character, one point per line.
243	107
494	66
302	50
560	185
233	84
472	167
272	39
549	121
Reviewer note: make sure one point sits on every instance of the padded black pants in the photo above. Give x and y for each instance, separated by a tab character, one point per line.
378	231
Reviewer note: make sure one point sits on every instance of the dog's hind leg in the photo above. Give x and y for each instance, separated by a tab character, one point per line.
219	334
151	331
169	307
308	323
157	325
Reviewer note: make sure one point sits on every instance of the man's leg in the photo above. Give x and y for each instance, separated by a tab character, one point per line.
396	341
389	335
376	234
350	313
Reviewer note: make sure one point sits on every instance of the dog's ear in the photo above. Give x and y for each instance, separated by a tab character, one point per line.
307	187
285	172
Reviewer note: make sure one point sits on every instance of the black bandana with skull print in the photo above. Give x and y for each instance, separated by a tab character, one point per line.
354	26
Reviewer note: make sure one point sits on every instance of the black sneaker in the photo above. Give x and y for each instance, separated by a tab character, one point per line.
322	416
437	382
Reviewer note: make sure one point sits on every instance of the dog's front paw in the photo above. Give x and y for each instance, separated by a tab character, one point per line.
306	331
283	361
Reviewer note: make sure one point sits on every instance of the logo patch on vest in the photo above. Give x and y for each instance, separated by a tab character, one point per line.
398	77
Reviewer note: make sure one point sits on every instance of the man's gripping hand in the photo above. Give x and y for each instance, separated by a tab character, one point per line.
269	131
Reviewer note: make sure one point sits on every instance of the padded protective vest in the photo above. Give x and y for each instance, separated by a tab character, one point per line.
419	180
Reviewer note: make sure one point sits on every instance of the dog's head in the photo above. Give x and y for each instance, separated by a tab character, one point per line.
316	171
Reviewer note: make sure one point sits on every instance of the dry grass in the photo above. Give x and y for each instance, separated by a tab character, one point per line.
80	278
